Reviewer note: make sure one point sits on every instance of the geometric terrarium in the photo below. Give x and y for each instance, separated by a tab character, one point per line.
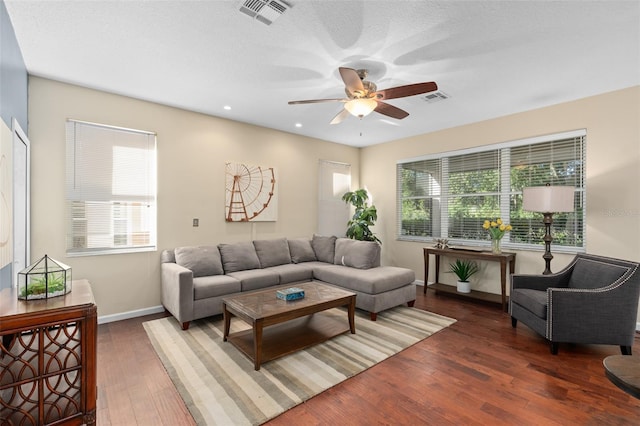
43	279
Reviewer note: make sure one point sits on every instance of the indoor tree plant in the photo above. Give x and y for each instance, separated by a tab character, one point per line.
464	269
365	216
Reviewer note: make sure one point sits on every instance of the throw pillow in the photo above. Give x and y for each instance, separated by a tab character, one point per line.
272	252
203	261
301	250
324	248
357	254
239	256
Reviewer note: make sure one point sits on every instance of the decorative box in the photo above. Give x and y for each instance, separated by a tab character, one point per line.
293	293
43	279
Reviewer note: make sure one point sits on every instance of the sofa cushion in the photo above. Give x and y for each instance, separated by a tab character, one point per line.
272	252
301	250
202	260
535	301
168	256
292	272
239	256
214	286
357	254
253	279
590	273
372	281
324	248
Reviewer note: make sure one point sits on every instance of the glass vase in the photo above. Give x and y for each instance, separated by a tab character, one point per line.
495	246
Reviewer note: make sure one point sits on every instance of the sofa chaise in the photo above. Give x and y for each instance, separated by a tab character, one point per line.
195	279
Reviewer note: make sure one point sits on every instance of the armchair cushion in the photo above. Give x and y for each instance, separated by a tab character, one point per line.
239	256
535	301
203	261
272	252
591	273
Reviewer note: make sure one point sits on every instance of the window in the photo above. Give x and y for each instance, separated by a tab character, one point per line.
449	195
111	189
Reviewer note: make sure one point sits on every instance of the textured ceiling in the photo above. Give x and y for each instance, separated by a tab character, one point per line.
491	58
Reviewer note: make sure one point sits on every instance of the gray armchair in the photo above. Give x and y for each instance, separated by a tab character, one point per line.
593	300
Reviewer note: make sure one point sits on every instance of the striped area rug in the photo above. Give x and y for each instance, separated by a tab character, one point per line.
220	386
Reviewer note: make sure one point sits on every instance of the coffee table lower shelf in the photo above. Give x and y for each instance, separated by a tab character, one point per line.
482	296
282	339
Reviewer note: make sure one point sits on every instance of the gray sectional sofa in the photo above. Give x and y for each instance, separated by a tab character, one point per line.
196	279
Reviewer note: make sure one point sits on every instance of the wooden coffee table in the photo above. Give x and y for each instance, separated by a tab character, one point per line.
295	324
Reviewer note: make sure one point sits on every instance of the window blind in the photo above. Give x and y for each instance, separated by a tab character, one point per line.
449	195
110	189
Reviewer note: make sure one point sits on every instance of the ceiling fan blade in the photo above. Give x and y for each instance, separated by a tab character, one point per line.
403	91
351	80
340	116
391	111
317	101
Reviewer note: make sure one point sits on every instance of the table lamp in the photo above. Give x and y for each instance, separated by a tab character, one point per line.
548	200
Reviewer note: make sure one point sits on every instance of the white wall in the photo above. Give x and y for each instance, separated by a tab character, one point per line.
192	151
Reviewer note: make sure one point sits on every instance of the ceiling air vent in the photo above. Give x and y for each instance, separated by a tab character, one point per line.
436	96
265	11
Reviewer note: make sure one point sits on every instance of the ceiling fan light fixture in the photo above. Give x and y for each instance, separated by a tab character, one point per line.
361	107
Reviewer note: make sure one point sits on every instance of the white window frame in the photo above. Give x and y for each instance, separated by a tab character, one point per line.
118	202
504	193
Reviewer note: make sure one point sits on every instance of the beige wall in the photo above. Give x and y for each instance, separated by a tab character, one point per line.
612	122
192	151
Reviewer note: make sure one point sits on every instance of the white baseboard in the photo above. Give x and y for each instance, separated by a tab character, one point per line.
131	314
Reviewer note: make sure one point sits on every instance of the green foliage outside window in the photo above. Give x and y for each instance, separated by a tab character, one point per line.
472	192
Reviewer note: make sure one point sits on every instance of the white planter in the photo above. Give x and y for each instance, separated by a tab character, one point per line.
464	287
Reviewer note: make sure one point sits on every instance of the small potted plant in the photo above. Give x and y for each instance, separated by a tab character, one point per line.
464	269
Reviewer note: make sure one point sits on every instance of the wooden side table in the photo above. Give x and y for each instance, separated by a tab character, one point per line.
624	372
504	258
48	358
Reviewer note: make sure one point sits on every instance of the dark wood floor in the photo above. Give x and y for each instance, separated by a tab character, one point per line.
478	371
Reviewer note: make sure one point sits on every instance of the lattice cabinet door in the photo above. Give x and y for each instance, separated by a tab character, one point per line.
47	363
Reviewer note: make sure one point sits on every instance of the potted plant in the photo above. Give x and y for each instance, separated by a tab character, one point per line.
464	269
365	216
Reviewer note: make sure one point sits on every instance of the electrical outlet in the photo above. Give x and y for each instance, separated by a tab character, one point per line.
196	222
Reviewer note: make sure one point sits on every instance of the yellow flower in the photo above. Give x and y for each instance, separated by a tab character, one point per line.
497	228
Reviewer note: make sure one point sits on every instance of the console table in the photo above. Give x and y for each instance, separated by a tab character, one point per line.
504	258
48	358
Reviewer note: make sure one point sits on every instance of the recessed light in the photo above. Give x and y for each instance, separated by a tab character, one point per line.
227	107
298	124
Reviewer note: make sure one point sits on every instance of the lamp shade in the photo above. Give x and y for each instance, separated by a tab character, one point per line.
548	199
361	107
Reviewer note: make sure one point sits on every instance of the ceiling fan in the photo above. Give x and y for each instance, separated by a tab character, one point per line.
363	96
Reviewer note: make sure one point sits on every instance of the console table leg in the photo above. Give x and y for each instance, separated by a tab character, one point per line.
503	282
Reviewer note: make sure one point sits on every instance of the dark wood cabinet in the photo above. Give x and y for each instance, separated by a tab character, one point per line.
48	358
